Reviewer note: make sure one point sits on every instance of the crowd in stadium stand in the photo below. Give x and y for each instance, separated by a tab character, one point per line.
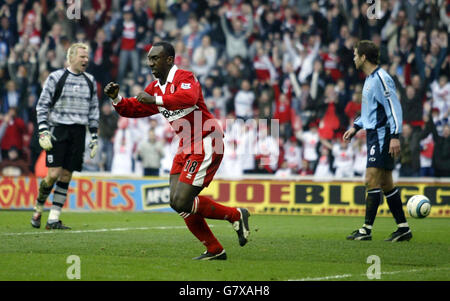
257	60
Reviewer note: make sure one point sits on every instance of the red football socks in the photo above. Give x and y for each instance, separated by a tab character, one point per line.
208	208
204	207
198	226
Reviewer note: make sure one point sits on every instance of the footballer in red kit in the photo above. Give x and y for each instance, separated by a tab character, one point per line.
177	95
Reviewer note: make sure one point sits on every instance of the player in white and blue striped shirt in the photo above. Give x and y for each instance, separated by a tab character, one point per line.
381	117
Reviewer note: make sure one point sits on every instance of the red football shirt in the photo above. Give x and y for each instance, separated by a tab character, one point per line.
181	103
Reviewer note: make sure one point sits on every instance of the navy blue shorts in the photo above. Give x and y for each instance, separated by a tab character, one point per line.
378	149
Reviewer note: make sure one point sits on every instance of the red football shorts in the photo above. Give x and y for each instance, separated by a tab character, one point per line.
198	167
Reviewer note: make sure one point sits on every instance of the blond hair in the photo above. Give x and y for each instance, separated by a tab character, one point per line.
73	50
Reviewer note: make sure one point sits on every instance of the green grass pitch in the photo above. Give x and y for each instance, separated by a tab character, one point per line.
158	246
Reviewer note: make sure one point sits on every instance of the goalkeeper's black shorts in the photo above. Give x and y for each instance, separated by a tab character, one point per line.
68	148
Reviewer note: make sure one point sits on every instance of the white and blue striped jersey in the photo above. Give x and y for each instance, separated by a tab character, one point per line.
380	105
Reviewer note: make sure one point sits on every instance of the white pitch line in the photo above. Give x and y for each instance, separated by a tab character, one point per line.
382	273
95	230
323	278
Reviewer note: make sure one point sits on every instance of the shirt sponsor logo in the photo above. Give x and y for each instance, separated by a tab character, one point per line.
176	114
185	86
168	114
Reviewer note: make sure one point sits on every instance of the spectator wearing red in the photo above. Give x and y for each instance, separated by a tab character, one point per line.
30	27
353	107
329	122
264	69
127	31
14	133
283	111
331	61
426	156
234	10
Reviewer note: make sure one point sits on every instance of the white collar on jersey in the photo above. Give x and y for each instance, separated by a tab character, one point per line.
170	76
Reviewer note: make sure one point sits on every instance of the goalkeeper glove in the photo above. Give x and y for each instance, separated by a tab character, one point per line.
45	140
93	145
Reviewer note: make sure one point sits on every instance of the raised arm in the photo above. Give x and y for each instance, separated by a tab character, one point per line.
443	43
420	65
247	9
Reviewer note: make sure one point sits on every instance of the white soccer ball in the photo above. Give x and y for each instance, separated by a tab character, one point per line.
418	206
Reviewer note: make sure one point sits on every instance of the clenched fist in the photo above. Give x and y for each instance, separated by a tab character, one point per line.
144	97
112	90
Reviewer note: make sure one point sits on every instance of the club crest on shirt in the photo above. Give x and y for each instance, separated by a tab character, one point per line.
172	88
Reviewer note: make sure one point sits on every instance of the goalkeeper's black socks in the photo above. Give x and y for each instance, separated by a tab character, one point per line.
373	200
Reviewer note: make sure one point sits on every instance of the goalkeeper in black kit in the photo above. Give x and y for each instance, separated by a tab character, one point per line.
67	105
